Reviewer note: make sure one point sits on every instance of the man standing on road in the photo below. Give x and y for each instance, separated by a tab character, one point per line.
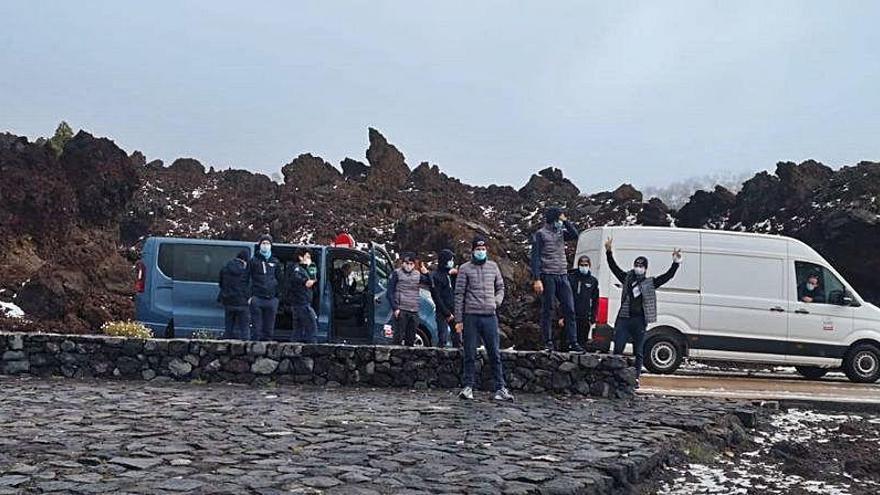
403	290
442	284
638	305
265	274
298	283
550	275
479	290
234	279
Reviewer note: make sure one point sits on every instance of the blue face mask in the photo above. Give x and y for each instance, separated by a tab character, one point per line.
450	264
481	255
584	270
557	224
266	251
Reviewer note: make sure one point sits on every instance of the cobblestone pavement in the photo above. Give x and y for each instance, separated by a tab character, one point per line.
62	435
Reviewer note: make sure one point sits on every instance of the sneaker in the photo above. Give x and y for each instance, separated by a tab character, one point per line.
578	348
548	346
503	394
466	393
637	384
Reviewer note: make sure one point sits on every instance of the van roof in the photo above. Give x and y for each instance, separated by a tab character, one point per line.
797	242
186	240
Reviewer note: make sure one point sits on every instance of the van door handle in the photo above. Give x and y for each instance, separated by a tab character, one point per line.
777	309
802	311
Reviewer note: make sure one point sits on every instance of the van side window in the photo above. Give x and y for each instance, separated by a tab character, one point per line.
194	262
829	289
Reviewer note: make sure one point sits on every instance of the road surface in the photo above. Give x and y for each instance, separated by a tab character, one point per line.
834	389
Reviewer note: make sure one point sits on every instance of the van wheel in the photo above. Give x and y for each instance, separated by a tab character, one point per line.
862	363
811	372
663	354
422	339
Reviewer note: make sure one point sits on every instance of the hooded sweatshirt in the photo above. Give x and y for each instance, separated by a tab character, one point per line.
443	285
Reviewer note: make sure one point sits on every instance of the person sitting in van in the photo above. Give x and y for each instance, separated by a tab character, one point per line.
550	275
442	285
403	291
585	289
297	297
345	284
265	276
809	291
638	305
234	294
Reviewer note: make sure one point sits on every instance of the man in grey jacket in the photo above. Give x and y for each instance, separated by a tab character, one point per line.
403	292
550	275
479	290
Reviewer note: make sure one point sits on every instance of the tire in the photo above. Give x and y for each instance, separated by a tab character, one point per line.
422	338
811	372
663	354
862	363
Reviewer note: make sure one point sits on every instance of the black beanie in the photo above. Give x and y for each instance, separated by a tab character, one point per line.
641	261
444	257
243	254
479	240
552	214
408	256
265	237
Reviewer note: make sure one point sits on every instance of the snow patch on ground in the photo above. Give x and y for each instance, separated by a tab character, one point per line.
11	310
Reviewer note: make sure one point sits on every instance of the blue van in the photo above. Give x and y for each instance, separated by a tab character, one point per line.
176	291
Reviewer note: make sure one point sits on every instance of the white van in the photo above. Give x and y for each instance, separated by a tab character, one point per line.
735	298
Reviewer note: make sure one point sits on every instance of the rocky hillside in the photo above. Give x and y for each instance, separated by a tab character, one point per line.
71	224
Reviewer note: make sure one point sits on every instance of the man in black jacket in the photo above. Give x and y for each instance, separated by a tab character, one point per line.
585	288
234	294
265	276
298	283
443	294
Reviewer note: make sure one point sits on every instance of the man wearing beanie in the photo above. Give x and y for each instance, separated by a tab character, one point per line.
638	305
234	294
403	291
479	290
265	274
442	284
550	275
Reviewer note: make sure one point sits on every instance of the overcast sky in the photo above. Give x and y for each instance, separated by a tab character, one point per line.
611	92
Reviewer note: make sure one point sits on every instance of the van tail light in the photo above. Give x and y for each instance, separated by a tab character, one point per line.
140	282
602	316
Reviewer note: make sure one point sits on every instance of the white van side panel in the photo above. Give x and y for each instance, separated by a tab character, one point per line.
677	301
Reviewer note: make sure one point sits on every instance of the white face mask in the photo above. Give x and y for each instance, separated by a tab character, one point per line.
639	270
811	286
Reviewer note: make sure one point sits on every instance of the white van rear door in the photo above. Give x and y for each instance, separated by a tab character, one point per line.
744	310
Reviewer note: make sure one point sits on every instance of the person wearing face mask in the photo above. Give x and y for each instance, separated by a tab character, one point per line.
298	283
809	291
585	289
234	294
638	306
550	275
403	291
265	275
442	284
479	291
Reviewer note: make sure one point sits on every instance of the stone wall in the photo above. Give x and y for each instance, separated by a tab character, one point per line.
260	363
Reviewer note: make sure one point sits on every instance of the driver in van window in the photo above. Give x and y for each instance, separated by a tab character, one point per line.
345	282
810	291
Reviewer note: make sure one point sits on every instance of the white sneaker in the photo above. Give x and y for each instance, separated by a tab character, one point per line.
503	394
466	393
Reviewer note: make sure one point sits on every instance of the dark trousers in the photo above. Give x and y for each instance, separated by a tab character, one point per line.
263	313
444	333
583	329
485	328
557	287
405	328
626	329
305	324
238	323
